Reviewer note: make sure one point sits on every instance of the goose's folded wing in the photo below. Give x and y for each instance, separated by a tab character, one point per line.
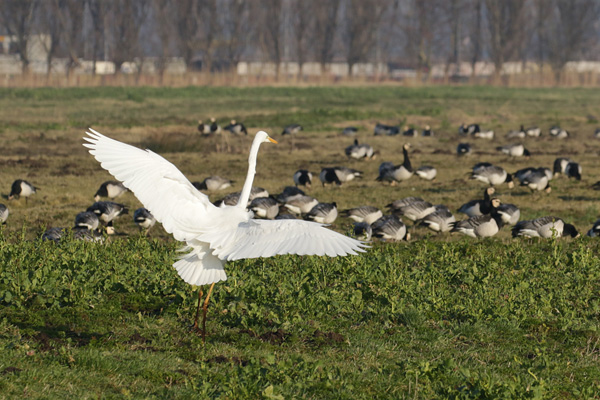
267	238
157	183
539	222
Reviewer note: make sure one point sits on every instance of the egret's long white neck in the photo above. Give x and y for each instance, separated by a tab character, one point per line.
245	195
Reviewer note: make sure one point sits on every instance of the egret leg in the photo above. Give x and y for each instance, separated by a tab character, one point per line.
198	309
204	309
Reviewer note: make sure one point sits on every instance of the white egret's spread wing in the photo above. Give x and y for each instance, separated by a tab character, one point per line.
157	183
266	238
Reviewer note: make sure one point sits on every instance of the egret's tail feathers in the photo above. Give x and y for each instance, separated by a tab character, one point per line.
200	267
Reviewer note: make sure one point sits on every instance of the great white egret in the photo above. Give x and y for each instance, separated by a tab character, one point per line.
214	235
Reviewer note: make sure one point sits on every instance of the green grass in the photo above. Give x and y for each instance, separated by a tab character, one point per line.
490	319
439	317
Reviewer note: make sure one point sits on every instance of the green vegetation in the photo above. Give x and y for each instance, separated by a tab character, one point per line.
420	320
439	317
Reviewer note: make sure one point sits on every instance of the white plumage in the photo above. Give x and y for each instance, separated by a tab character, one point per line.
426	172
368	214
3	213
213	234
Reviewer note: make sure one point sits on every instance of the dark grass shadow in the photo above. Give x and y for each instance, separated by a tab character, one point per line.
441	190
578	198
55	336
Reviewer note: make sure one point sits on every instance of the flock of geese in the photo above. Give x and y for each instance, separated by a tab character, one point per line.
485	217
91	223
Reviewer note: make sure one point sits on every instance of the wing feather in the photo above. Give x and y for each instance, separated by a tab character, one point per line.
157	183
267	238
539	222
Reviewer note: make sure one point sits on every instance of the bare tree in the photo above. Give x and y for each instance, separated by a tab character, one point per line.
186	20
162	22
420	24
70	16
426	27
362	21
476	39
505	20
237	30
97	10
51	27
124	22
389	33
271	33
208	31
301	25
17	18
325	14
542	10
571	31
455	23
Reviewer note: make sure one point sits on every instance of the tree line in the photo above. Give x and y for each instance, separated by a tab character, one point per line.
214	35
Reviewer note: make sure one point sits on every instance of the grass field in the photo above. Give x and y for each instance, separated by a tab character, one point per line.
439	317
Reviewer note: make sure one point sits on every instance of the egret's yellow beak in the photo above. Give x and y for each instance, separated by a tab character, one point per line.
272	140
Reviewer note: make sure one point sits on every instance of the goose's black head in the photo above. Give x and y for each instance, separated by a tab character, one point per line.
509	181
570	230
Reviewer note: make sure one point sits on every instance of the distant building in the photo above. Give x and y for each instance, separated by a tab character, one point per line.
151	66
292	68
86	67
36	46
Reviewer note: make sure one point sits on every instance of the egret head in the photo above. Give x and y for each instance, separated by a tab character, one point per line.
263	137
